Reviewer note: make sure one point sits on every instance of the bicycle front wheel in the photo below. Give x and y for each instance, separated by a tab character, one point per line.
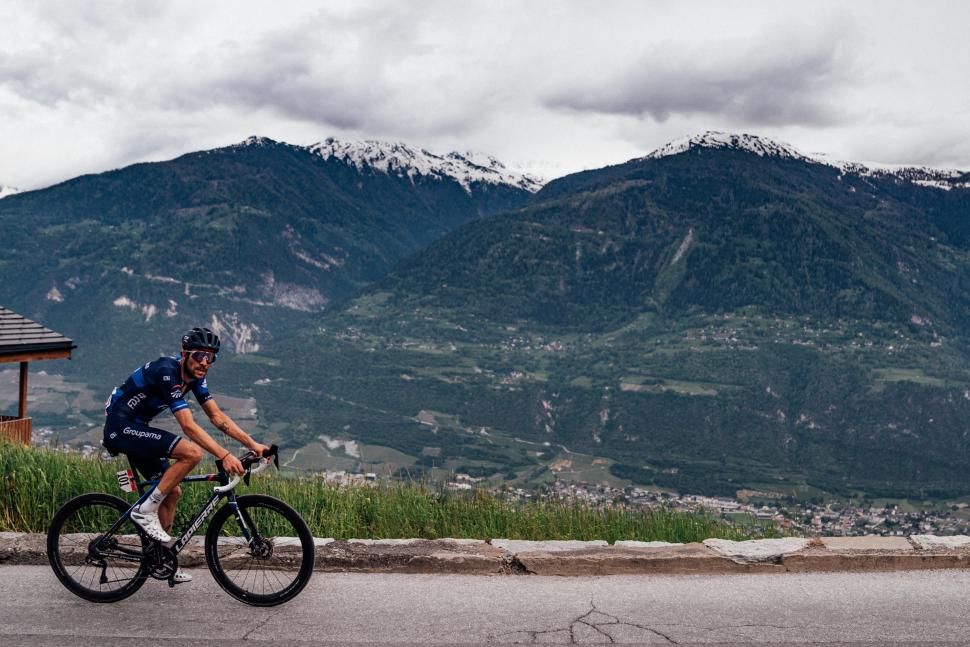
91	564
261	552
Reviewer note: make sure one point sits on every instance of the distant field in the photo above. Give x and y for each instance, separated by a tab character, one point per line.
659	385
916	375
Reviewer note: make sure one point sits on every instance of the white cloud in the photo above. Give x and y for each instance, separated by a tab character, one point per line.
551	87
741	77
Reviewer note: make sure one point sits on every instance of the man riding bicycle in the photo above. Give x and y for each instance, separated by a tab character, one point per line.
147	392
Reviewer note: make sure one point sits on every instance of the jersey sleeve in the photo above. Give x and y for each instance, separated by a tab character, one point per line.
201	391
167	381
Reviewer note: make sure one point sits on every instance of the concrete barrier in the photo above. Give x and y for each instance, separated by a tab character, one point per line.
572	558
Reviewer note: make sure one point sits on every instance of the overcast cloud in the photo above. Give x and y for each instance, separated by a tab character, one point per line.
779	77
549	87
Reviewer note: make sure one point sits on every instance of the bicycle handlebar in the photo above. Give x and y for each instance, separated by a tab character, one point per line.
247	460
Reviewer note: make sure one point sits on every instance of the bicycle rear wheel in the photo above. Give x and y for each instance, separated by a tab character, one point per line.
271	569
92	565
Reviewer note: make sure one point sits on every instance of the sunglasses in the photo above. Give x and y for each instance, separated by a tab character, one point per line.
203	356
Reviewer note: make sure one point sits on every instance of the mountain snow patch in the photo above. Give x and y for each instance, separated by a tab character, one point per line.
405	161
761	146
944	179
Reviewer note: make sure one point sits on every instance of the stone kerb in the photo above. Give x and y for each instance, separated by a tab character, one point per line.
868	544
875	553
23	548
757	551
932	542
468	556
565	558
625	560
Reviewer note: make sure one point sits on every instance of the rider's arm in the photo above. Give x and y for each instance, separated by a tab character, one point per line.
225	424
198	435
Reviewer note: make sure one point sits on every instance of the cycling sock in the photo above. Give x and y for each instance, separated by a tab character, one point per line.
152	502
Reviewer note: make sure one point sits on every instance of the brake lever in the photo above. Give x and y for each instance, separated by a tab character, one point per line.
248	456
273	451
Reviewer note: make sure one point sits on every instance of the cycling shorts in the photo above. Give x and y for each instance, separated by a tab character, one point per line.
148	448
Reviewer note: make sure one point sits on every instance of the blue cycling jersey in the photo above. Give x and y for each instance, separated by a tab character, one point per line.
154	387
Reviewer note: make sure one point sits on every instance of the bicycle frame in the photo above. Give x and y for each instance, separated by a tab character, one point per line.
145	488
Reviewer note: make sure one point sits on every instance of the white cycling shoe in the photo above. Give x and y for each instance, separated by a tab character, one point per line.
181	577
149	522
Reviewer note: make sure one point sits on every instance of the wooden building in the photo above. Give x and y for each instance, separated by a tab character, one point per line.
24	341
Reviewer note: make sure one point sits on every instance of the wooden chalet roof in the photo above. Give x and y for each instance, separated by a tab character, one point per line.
21	336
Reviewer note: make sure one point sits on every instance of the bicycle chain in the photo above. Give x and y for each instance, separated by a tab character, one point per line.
164	562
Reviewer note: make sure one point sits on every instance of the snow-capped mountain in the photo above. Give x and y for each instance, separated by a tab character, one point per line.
945	179
7	190
403	160
761	146
302	235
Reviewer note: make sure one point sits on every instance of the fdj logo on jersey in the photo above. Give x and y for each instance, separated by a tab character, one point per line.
135	399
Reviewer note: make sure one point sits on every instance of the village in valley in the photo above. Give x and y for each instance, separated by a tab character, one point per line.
823	518
816	517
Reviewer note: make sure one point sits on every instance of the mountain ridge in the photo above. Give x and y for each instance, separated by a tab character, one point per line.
467	168
706	321
675	204
941	178
254	238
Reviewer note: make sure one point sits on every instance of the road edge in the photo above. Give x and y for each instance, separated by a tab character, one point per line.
590	558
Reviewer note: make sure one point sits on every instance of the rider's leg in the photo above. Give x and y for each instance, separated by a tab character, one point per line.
166	510
188	455
146	447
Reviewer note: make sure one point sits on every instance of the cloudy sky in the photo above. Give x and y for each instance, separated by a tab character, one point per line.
549	87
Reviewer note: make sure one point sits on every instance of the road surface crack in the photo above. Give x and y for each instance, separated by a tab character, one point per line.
594	619
261	623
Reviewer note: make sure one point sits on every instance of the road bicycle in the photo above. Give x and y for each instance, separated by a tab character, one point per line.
257	548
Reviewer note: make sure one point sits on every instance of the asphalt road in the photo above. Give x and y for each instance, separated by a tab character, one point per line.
927	607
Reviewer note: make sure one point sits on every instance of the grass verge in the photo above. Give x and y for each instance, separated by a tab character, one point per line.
35	482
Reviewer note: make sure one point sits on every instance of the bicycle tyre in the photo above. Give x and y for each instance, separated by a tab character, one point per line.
281	571
74	526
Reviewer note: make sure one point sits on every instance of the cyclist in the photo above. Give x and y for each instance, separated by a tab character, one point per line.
152	388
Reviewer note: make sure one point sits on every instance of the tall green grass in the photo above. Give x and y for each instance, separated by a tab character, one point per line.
35	482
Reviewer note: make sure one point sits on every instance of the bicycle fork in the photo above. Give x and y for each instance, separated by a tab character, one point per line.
248	529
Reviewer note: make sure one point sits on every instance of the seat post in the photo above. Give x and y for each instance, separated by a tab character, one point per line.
138	480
